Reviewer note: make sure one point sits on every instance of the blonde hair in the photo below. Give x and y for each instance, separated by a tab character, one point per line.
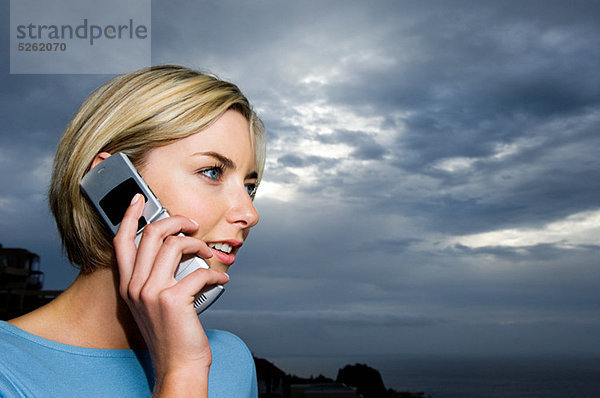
134	113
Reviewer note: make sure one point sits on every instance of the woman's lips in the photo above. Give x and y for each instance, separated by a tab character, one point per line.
225	258
224	251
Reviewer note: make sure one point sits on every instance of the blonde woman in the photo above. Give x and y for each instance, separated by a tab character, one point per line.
125	327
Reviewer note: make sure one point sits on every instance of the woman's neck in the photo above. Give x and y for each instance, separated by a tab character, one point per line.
90	313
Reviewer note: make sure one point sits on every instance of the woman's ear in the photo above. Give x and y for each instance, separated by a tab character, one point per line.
99	157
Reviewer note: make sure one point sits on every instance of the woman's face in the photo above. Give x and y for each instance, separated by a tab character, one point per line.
209	177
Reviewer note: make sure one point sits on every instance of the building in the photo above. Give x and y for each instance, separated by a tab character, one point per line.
21	282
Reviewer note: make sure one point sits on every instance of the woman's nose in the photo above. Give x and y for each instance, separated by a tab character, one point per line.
241	209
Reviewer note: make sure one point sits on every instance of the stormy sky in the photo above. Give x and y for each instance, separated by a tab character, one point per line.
433	176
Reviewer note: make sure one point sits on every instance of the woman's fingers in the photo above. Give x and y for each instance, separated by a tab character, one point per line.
202	277
160	234
182	293
167	260
124	240
152	265
161	248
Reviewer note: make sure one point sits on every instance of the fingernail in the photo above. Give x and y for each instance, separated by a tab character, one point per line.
227	275
135	198
194	221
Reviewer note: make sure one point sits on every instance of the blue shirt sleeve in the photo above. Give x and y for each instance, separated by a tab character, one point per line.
233	373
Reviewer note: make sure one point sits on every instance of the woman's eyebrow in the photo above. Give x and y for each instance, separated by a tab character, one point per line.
224	160
252	176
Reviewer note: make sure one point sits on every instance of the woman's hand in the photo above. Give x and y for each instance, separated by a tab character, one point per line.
161	306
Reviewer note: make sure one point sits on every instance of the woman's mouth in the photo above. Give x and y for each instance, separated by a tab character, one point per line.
222	247
223	252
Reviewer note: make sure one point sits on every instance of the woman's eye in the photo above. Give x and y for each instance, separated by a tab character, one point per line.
213	173
251	189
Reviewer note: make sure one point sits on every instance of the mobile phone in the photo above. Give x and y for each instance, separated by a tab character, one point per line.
110	186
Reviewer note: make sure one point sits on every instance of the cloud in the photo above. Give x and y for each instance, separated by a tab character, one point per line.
575	230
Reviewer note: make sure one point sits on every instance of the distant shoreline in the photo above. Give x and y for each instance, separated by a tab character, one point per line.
549	374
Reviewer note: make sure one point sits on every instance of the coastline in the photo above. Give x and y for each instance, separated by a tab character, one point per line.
465	376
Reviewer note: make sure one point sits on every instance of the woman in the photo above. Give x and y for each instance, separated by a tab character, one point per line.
125	327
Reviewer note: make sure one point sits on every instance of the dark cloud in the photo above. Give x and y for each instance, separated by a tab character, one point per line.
299	161
392	246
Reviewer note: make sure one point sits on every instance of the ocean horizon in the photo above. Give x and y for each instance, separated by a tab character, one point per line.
466	377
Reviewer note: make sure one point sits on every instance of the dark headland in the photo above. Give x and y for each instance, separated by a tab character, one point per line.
352	381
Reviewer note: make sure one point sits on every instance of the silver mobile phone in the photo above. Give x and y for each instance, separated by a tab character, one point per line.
110	186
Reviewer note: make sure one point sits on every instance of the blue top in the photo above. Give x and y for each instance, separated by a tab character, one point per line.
31	366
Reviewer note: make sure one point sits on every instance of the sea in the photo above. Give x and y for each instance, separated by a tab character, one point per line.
466	377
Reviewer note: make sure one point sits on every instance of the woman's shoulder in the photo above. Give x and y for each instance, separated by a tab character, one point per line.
224	342
233	365
224	337
11	336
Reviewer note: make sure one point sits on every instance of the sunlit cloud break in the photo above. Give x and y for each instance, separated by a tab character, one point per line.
578	229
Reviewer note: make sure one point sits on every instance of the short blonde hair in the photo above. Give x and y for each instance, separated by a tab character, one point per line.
134	113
